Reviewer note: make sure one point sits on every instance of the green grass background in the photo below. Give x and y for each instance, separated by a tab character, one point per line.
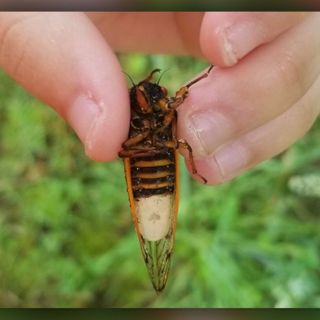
66	237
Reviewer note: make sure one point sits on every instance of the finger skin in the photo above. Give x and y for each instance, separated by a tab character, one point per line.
233	101
264	142
227	37
63	60
150	32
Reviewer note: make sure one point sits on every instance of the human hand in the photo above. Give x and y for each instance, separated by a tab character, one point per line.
264	95
67	60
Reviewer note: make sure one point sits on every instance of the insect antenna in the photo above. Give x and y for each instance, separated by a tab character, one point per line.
161	75
129	78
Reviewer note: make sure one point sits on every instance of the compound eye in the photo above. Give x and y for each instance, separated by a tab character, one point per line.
142	100
164	91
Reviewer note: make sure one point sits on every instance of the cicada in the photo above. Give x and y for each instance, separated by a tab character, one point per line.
151	168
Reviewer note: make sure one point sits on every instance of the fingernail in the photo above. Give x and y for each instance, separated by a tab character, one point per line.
229	54
239	39
232	159
210	129
82	115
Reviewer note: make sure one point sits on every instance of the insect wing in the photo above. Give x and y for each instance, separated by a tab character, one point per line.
155	218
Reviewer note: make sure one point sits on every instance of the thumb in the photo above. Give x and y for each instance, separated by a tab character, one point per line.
63	60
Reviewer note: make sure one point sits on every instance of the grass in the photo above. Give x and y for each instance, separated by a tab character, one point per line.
66	237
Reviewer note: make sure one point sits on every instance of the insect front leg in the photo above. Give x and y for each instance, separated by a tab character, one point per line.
142	133
133	146
185	145
183	92
191	83
177	100
139	137
169	117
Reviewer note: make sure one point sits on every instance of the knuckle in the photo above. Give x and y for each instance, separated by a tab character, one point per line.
290	72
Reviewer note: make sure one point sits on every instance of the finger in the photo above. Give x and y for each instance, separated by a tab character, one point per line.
227	37
151	32
62	59
233	101
264	142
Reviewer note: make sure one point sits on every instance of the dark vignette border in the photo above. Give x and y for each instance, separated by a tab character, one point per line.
160	314
159	5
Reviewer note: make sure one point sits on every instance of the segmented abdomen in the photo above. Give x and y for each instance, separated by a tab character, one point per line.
153	174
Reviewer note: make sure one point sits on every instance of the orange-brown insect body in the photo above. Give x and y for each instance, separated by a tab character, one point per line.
151	166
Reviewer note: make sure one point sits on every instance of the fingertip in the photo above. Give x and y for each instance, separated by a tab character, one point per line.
110	129
214	42
62	59
105	139
82	115
100	116
225	38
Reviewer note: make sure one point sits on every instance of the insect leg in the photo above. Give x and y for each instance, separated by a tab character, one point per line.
199	78
143	133
137	151
181	143
135	139
168	119
167	144
132	146
180	96
185	145
183	92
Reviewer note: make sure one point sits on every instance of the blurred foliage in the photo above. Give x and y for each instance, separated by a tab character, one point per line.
66	237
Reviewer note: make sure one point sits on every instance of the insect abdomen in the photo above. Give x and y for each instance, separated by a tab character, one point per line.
153	186
154	174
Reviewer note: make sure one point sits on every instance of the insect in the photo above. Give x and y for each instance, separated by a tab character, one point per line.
151	168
